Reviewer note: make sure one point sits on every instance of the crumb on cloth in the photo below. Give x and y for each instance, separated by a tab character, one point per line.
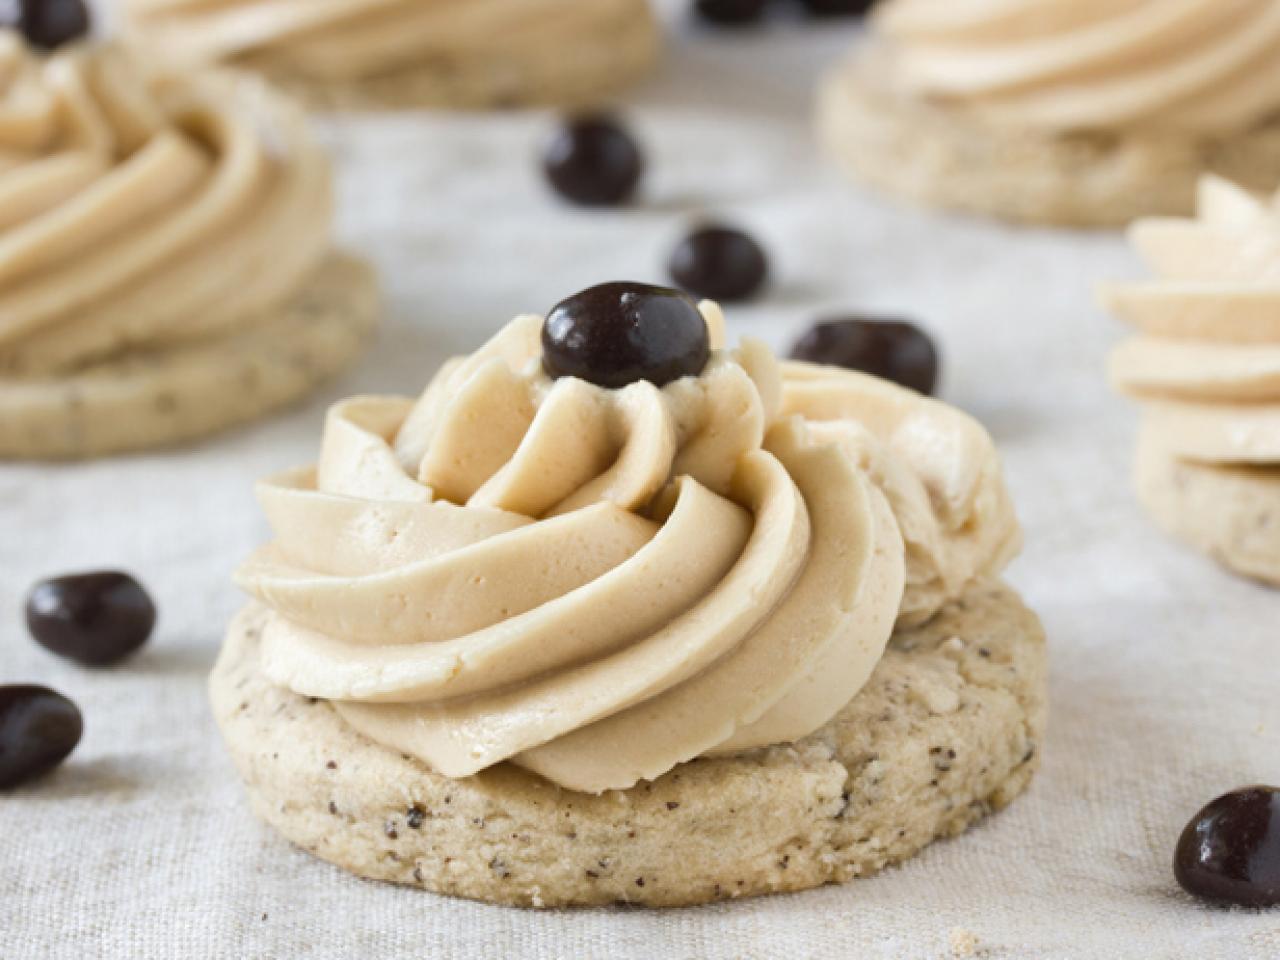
964	943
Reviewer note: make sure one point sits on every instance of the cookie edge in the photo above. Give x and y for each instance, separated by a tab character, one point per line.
154	401
943	158
473	837
1218	510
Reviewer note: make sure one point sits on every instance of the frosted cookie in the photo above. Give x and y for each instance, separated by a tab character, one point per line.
1054	112
415	53
953	716
608	592
1205	366
166	266
1230	512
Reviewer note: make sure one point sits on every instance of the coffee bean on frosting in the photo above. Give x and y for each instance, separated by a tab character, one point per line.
1230	851
593	161
48	24
891	349
94	618
731	13
38	730
720	263
618	333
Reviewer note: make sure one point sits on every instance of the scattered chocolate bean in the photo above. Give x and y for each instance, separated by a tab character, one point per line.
94	618
593	161
892	349
618	333
1230	851
838	8
48	24
719	263
38	730
730	13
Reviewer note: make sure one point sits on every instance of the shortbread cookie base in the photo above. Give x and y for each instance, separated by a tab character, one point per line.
941	157
947	730
1230	513
153	398
600	65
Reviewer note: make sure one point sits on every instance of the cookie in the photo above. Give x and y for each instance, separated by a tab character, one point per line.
155	397
1230	512
609	54
943	157
947	730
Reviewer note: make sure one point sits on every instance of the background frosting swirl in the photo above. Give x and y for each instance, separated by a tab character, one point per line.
353	39
142	206
600	584
1205	364
1200	65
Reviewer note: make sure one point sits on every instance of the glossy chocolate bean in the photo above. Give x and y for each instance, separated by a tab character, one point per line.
730	13
1230	851
838	8
594	162
891	349
48	24
719	263
94	618
38	730
618	333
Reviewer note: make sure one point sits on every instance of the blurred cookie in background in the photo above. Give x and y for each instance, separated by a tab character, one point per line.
377	54
1050	112
167	267
1205	367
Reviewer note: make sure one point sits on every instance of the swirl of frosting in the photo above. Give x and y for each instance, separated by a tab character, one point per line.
356	39
1206	362
936	466
142	207
1204	66
600	584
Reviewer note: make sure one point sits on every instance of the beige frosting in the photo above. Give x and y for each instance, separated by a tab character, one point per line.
1206	361
354	39
600	584
141	207
1204	66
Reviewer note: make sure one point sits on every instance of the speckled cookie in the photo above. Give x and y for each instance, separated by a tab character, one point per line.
946	731
1231	513
611	58
942	157
157	397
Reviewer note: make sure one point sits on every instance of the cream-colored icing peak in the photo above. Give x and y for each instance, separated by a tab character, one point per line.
1205	364
600	584
1209	66
142	206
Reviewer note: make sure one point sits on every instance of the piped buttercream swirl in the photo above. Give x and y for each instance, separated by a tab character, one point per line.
1203	66
1205	364
144	206
329	40
598	585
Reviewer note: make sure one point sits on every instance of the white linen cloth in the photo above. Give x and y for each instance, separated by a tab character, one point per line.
1165	670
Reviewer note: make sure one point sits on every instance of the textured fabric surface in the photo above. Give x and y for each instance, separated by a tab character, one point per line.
1164	668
